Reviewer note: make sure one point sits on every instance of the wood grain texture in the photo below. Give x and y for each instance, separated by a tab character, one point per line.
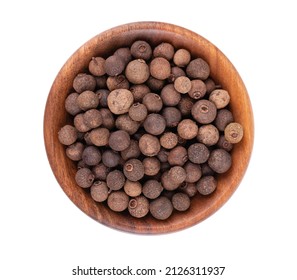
222	71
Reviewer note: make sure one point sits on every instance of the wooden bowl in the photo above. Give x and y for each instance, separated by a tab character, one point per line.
222	71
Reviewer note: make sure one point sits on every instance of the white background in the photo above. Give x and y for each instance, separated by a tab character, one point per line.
44	236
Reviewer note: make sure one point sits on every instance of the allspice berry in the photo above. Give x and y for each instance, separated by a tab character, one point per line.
193	172
187	129
91	155
185	105
182	84
204	111
155	84
84	177
75	150
132	188
198	153
118	201
220	98
178	156
224	144
165	50
99	136
138	112
182	57
177	175
107	118
83	82
152	189
67	134
149	145
160	68
124	122
87	100
133	169
198	69
115	180
111	158
99	191
169	140
170	96
219	161
100	171
132	151
175	73
139	91
223	118
114	65
172	116
80	124
92	118
188	188
139	206
233	132
206	185
198	89
154	124
151	166
119	140
124	54
141	49
102	94
117	82
180	201
71	105
137	71
97	66
153	102
208	134
161	208
119	101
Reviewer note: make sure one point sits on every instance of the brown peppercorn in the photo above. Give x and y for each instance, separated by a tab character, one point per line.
97	66
117	82
160	68
101	81
91	155
224	144
204	111
169	140
172	116
139	91
114	65
168	184
92	118
187	129
193	172
182	84
71	106
132	189
178	156
188	188
139	206
79	123
223	118
124	54
81	164
107	118
83	82
118	201
233	132
182	57
87	139
165	50
99	136
198	69
67	134
99	191
185	105
154	84
208	134
198	89
170	96
132	151
115	180
220	98
206	170
84	177
198	153
153	102
87	100
161	208
133	169
210	85
152	189
177	175
119	140
206	185
219	160
102	95
149	145
151	166
138	112
137	71
119	101
175	73
180	201
154	124
100	171
141	49
74	151
124	122
163	155
111	158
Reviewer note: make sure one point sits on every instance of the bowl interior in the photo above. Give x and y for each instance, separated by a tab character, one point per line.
104	44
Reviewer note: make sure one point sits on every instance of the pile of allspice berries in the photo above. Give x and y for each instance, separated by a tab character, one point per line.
151	129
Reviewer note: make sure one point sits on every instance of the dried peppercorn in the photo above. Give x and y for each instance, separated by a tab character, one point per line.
152	189
198	153
153	102
160	68
67	134
83	82
206	185
118	201
139	206
178	156
115	180
137	71
208	134
99	191
161	208
180	201
75	150
141	49
84	177
132	188
204	111
149	145
138	112
119	140
154	124
87	100
187	129
233	132
219	160
198	69
151	166
119	101
133	169
91	155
